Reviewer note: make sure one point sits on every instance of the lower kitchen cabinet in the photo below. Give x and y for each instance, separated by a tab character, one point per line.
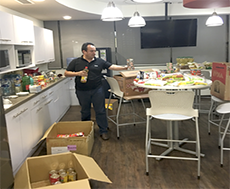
20	134
27	123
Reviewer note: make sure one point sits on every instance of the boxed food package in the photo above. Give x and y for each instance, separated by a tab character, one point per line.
125	81
67	142
34	172
221	80
112	110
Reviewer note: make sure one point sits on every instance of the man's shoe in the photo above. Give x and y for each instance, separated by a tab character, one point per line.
105	136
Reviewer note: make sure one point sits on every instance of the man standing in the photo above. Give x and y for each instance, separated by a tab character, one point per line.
92	91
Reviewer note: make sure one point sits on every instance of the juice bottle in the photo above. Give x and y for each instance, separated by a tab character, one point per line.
84	78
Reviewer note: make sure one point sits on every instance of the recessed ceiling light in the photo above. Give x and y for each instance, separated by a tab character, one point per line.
67	17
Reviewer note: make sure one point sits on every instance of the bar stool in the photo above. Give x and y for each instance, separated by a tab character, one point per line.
172	106
214	103
115	89
223	109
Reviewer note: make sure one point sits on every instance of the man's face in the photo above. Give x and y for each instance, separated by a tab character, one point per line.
90	53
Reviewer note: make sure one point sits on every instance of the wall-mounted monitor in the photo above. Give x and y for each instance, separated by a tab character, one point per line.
169	33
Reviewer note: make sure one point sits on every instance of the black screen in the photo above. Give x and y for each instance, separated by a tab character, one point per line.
169	33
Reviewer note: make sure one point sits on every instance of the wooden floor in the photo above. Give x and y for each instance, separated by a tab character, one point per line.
123	160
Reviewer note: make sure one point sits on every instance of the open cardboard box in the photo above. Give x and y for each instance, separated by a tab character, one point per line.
125	81
79	145
221	80
34	172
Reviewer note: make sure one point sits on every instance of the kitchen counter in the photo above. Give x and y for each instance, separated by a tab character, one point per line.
22	99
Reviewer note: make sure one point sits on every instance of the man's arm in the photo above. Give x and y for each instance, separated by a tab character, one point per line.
73	74
116	67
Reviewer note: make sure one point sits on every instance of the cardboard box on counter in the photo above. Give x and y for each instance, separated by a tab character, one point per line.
34	172
125	81
113	105
80	145
221	80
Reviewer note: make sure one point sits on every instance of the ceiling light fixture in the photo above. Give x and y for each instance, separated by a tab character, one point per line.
67	17
147	1
214	20
111	13
136	20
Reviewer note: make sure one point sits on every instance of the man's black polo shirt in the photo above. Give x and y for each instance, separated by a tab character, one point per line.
94	75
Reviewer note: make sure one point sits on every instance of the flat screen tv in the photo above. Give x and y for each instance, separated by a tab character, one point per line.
169	33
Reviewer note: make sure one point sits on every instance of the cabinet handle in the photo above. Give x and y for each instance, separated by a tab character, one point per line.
36	102
4	39
51	93
44	96
16	115
39	109
23	110
40	61
48	102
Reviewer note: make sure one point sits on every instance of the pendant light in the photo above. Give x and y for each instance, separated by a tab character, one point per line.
136	20
146	1
214	20
111	13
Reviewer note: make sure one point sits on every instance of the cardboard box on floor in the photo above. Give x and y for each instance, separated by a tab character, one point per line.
79	145
111	111
125	81
221	80
34	172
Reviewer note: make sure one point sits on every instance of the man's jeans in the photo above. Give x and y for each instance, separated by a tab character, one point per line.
97	98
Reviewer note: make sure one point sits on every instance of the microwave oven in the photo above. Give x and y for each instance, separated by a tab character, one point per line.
4	60
23	58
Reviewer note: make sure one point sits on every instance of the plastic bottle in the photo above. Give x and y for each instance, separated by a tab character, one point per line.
84	78
17	84
6	87
25	83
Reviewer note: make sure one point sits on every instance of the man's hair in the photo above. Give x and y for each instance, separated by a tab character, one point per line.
84	46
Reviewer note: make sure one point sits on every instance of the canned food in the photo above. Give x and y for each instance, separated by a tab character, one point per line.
69	170
72	176
63	177
54	178
52	172
58	182
61	170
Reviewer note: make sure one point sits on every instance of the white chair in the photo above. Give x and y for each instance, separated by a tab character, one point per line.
211	120
171	106
115	89
223	109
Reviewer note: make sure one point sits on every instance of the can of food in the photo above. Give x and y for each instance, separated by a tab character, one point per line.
52	172
69	170
61	170
54	178
72	176
63	177
58	182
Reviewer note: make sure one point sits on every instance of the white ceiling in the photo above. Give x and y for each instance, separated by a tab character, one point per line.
92	9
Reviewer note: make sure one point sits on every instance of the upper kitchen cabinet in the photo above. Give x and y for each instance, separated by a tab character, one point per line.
44	45
6	28
49	45
24	31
